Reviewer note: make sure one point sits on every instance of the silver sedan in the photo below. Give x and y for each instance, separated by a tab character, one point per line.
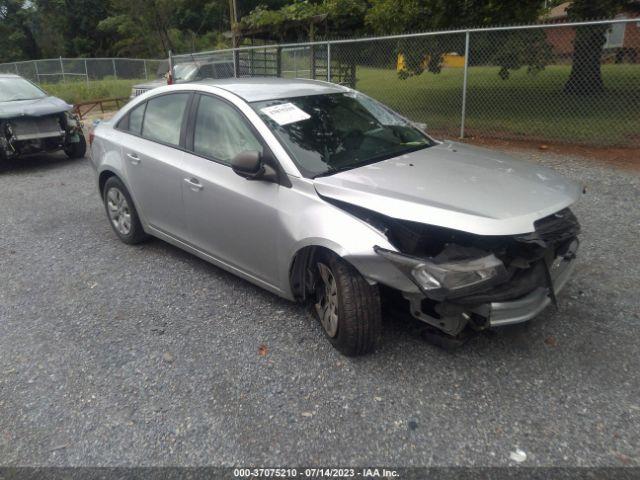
322	195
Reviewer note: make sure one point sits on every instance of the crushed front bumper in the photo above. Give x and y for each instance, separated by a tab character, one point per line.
529	306
515	301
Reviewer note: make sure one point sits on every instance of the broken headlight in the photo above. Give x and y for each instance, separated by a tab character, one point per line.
73	122
450	278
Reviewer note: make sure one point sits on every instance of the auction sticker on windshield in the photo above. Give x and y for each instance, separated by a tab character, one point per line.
286	113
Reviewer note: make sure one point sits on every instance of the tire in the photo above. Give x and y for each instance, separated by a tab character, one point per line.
76	150
357	328
121	212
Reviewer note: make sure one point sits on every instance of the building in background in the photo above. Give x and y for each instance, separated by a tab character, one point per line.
623	39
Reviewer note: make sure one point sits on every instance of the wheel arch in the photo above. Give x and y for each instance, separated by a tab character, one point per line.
103	177
105	174
301	275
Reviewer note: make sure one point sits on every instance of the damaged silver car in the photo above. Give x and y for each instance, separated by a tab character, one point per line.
322	195
32	121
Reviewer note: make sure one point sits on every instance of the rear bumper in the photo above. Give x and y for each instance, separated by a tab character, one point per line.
529	306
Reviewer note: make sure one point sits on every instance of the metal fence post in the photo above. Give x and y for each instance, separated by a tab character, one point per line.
464	83
328	61
278	62
235	63
295	63
86	71
15	65
35	64
62	71
115	73
146	73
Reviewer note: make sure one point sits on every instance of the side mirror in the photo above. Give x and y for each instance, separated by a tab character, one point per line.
249	164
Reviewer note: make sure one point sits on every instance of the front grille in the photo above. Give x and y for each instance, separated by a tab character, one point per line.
30	128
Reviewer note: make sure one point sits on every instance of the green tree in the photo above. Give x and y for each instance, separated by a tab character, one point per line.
393	16
343	17
70	27
17	38
586	74
512	51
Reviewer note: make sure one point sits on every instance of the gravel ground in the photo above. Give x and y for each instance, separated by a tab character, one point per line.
119	355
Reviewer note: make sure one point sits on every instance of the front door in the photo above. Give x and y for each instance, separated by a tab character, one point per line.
232	219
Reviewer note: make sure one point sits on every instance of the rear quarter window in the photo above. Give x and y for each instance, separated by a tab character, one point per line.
135	119
132	121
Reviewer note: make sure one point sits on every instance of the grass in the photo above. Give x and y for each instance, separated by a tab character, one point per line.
522	107
78	92
531	107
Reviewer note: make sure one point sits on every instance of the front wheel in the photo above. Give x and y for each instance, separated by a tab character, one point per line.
78	149
347	306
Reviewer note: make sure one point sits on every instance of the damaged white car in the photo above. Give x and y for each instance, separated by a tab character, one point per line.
322	195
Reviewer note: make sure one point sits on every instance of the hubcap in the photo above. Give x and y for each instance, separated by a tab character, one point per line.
327	301
119	212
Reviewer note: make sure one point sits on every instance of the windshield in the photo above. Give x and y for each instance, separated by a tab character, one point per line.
184	71
12	89
334	132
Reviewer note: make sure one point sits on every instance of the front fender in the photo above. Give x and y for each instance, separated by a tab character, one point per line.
328	226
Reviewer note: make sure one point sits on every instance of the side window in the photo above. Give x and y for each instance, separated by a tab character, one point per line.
221	132
135	119
163	118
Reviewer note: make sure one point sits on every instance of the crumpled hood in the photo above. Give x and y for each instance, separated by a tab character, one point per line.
456	186
33	108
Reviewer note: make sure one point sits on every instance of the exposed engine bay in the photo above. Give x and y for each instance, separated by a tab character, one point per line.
31	134
464	279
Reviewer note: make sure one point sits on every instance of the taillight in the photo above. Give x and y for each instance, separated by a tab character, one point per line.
170	79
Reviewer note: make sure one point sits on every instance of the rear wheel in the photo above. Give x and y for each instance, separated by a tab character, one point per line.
78	149
347	307
122	213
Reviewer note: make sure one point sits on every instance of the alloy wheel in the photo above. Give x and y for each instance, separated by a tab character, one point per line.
327	301
119	211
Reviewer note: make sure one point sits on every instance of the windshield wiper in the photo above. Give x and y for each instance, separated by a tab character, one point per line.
331	171
369	161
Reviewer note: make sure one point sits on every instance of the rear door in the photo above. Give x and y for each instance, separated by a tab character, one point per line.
153	157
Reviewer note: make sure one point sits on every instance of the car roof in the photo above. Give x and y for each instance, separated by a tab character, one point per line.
9	75
256	89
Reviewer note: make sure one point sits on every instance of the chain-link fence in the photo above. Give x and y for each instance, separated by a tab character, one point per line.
575	83
56	70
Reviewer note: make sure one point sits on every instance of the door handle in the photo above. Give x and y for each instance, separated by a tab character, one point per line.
194	184
134	158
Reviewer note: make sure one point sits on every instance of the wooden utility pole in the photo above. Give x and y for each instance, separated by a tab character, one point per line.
233	20
233	17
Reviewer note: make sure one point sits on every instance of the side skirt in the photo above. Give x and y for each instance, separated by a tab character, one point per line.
215	261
